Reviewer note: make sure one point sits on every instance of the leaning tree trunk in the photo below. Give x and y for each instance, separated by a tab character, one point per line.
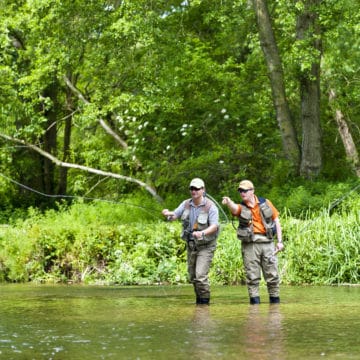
276	76
352	154
308	33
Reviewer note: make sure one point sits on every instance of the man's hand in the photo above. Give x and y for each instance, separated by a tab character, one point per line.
170	215
279	247
197	234
226	200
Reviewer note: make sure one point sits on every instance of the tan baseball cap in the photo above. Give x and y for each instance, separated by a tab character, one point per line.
198	183
246	185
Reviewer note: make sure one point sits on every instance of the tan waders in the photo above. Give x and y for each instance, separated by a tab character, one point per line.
259	257
198	262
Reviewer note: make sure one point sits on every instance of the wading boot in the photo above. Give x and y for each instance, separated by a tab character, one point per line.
202	301
255	300
274	300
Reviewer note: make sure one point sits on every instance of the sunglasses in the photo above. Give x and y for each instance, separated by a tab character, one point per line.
192	188
243	190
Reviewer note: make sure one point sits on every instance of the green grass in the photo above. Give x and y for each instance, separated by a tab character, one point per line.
111	244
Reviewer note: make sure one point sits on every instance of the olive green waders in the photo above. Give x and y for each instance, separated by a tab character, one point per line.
198	263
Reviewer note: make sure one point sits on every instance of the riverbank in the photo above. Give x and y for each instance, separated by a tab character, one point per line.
98	244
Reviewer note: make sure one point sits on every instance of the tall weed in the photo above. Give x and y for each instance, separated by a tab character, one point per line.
324	248
110	244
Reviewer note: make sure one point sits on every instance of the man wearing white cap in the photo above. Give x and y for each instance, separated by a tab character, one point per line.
200	221
258	218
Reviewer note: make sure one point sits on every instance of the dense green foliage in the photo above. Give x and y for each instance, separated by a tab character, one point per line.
154	92
122	244
182	83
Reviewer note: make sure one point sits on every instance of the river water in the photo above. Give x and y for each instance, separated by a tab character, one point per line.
95	322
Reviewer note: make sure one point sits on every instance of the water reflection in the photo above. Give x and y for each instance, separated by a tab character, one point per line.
263	333
203	327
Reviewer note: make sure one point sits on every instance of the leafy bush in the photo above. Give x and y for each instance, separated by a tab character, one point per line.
103	243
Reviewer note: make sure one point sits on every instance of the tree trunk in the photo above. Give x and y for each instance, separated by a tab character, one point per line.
62	187
276	76
308	32
49	139
345	134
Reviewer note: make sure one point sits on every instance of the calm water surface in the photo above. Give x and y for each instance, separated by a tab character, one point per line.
86	322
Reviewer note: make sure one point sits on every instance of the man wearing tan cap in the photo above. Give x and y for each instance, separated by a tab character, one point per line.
200	221
257	219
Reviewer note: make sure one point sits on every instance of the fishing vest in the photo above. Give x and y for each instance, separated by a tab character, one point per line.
245	231
201	223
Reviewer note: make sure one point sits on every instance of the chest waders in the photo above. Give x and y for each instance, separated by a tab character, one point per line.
257	252
200	252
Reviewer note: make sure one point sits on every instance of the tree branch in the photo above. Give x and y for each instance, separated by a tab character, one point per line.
58	162
102	122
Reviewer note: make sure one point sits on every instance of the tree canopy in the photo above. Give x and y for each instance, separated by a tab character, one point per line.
151	93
